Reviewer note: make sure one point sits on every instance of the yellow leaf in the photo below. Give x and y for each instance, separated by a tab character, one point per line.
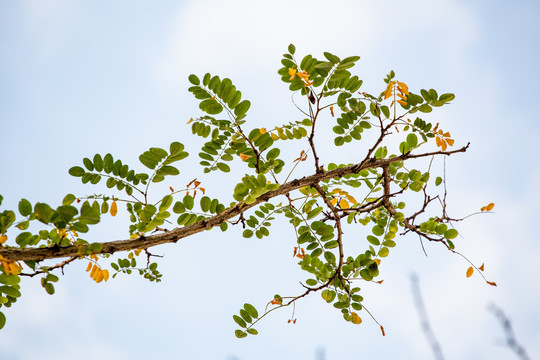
344	204
244	157
137	251
133	236
262	130
402	102
351	199
89	266
403	87
355	319
470	271
378	261
490	206
99	276
292	73
105	275
274	137
14	268
3	239
114	208
334	201
335	191
388	91
93	272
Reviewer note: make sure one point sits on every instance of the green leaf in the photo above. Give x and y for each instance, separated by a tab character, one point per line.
43	212
384	252
451	234
247	233
68	199
11	291
314	213
240	334
252	331
412	140
25	208
373	240
291	49
223	167
88	164
241	109
446	97
438	181
239	321
251	310
194	79
98	162
76	171
377	230
2	320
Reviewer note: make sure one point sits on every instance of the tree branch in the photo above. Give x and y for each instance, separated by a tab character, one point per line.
144	242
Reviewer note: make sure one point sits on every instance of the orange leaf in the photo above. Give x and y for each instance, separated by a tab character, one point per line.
435	128
303	74
3	239
294	321
197	183
190	120
446	134
382	330
114	208
334	201
443	147
403	87
481	268
402	102
450	142
438	141
380	281
89	266
351	199
262	130
378	261
244	157
332	110
470	271
491	283
490	206
172	190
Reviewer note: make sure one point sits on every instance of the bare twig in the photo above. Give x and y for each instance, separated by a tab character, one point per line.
424	320
510	339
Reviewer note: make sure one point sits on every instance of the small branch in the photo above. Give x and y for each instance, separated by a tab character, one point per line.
60	265
510	340
424	321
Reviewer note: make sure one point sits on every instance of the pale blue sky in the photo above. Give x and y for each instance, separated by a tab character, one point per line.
77	78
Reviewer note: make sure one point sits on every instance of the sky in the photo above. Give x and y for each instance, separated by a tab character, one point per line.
87	77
